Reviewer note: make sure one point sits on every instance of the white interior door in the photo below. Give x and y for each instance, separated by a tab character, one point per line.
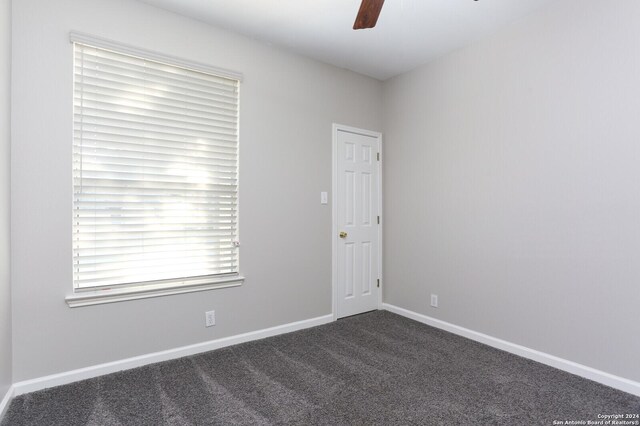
357	222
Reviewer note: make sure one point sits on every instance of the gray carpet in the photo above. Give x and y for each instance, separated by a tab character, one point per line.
373	369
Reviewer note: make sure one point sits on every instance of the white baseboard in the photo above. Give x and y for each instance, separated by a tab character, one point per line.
40	383
6	400
19	388
620	383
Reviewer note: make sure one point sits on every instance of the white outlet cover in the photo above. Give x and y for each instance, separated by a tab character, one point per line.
434	300
210	318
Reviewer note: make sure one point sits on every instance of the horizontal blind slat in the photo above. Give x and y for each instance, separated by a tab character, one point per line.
168	90
138	244
160	272
101	107
99	262
109	91
111	237
149	191
107	281
84	50
89	118
92	59
123	159
163	138
156	134
110	95
142	75
209	155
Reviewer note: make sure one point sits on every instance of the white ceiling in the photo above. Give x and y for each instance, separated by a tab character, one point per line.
409	32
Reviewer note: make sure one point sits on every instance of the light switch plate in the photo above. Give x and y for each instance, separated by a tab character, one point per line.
324	198
210	318
434	300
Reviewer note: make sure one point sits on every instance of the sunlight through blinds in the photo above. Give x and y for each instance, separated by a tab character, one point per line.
155	171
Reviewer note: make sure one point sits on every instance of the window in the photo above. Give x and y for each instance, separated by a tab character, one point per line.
155	170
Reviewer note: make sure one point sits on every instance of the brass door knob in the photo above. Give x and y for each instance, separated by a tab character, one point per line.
343	234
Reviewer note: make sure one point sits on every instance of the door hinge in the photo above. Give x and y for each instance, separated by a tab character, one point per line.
378	220
378	282
378	154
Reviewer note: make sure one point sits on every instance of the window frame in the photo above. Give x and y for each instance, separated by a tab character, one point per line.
85	296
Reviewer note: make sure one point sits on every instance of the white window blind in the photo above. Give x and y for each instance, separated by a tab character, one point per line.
155	171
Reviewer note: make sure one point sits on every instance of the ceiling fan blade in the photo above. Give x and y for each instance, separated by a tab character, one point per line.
368	14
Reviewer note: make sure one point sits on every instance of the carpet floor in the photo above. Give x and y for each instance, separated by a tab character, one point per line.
373	369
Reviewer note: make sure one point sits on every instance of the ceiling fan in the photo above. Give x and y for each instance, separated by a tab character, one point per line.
368	14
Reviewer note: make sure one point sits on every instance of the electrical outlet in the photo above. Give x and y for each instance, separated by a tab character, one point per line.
210	318
434	300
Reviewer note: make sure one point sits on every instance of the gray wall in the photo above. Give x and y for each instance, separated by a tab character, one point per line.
5	229
512	171
287	106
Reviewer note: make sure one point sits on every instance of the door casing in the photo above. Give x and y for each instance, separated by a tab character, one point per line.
334	209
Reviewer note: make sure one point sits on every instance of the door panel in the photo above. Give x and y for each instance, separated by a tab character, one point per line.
357	216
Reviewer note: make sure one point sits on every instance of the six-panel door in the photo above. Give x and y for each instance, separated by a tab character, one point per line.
357	208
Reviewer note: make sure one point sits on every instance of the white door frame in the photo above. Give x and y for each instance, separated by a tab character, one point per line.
334	212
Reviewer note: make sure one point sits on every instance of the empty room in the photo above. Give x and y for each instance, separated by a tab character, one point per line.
319	212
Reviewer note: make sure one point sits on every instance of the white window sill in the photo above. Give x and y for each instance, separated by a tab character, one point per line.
88	297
